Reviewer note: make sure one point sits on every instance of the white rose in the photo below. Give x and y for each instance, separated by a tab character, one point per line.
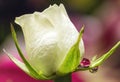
50	38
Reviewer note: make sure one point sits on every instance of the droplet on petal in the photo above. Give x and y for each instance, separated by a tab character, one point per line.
85	62
94	70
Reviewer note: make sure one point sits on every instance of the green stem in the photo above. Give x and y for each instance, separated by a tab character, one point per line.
66	78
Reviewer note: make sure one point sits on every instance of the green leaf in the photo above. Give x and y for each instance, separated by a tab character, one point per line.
72	59
101	60
28	66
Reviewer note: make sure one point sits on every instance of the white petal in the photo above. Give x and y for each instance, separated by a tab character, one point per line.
67	31
48	36
40	38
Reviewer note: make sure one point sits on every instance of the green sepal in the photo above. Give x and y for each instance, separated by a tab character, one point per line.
101	60
72	59
19	63
26	67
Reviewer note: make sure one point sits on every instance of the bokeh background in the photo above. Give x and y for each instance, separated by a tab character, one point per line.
102	30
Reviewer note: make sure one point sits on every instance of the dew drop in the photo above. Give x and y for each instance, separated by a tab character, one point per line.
94	70
85	63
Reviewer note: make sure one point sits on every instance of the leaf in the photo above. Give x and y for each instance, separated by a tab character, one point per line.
72	59
28	66
101	60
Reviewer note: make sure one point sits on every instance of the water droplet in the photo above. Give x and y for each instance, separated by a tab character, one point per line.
94	70
85	62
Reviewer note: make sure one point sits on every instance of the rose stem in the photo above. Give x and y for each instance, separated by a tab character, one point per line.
66	78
